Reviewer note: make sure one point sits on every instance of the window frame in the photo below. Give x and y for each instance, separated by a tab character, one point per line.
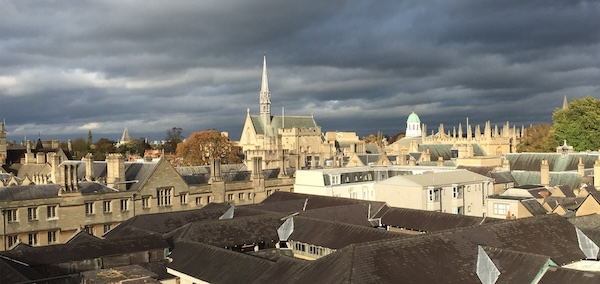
51	212
32	214
107	206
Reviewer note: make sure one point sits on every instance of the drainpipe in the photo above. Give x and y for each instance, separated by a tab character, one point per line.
4	227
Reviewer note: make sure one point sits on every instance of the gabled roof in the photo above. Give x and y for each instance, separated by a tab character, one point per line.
42	191
534	207
216	265
82	237
428	221
566	190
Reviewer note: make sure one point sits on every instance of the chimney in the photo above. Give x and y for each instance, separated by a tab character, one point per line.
426	157
215	169
580	168
115	171
89	167
440	162
545	173
58	174
41	158
282	167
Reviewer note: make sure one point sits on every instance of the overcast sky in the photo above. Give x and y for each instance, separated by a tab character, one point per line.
67	67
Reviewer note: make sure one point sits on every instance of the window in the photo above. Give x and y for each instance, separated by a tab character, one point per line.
198	200
249	195
183	198
300	246
230	197
124	204
241	196
11	215
434	195
460	210
145	201
501	208
33	239
32	213
269	192
106	228
89	208
52	237
12	240
335	179
89	229
51	212
207	199
106	206
163	196
457	192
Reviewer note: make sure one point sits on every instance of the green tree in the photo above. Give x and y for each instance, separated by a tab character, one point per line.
173	138
538	138
80	148
102	148
579	124
136	146
197	149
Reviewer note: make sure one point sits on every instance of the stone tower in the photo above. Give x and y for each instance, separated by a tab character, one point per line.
265	96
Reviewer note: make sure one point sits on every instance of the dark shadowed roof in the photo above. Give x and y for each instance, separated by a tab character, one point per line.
564	275
232	232
516	266
168	221
42	191
216	265
428	221
83	237
54	254
281	201
417	259
12	271
335	235
566	190
357	214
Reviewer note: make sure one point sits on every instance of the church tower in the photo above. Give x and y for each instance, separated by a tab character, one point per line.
265	96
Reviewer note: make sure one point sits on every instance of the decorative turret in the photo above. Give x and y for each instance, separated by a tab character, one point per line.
265	96
413	125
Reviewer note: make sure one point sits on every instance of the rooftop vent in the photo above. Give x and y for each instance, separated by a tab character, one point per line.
586	245
487	271
285	231
228	214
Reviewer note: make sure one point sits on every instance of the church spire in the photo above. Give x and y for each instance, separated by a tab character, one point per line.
265	96
565	103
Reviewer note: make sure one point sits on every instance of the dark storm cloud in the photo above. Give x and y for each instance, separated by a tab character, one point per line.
70	66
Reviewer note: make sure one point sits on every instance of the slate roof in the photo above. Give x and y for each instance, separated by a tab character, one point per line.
427	221
133	171
357	214
289	202
168	221
278	122
532	177
534	207
216	265
443	150
54	254
557	161
502	177
516	266
418	259
14	272
232	232
43	191
82	237
367	159
564	275
566	190
434	179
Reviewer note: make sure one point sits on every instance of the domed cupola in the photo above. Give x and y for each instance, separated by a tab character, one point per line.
413	125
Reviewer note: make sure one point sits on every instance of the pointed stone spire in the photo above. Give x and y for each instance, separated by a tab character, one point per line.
454	132
460	133
477	131
565	103
125	138
265	96
487	132
496	131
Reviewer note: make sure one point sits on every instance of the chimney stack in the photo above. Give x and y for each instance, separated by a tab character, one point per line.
115	171
580	168
597	173
545	173
215	170
89	167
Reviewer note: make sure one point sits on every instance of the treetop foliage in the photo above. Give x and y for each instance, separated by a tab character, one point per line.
579	124
200	147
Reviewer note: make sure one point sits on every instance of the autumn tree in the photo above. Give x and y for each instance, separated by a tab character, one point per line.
197	149
173	138
537	138
578	124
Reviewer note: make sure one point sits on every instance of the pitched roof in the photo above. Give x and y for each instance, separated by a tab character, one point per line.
13	271
557	161
534	207
435	179
54	254
216	265
556	178
278	122
417	259
428	221
42	191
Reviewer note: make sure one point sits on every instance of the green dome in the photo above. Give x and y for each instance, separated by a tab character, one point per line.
413	117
